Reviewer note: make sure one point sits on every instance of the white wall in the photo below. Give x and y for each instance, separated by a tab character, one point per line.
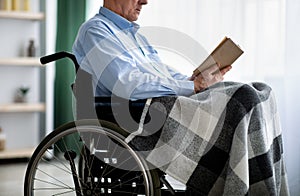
51	16
92	7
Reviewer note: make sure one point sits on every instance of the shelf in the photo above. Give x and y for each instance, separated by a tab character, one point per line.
20	61
16	153
22	107
23	120
22	15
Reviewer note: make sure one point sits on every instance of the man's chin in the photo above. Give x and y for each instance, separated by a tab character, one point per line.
134	18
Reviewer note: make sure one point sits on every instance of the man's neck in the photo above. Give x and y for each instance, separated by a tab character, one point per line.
113	6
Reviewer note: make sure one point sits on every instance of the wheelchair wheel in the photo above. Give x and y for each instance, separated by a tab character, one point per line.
89	159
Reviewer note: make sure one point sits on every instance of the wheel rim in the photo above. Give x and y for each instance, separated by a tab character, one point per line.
54	177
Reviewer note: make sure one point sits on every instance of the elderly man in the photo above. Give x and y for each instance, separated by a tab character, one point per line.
220	138
131	70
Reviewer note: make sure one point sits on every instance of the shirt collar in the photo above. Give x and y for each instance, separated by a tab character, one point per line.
118	20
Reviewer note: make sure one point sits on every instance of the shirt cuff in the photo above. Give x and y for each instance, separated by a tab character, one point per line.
186	88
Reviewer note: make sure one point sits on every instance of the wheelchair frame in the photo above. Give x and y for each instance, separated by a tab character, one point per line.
97	160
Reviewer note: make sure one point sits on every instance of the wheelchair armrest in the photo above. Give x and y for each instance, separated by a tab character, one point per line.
108	101
108	108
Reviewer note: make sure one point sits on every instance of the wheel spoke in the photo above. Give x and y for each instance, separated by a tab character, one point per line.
54	176
51	183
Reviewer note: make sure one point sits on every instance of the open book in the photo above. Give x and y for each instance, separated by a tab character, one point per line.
224	54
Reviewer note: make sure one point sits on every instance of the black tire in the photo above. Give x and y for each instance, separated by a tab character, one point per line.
104	164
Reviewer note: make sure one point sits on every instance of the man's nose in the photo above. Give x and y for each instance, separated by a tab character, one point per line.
143	2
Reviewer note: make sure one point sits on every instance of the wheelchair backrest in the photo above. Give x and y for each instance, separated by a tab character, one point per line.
90	107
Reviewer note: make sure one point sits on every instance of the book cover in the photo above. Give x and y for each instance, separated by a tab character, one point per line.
225	54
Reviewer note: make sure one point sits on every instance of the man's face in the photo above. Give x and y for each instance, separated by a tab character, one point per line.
130	9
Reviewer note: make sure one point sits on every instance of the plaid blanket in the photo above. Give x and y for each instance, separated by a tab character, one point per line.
225	140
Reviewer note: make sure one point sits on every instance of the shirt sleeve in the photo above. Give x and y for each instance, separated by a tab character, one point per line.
115	69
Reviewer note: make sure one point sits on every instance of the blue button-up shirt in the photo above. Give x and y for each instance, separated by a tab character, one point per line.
122	62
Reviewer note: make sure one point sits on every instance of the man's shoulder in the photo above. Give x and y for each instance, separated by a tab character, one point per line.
99	23
96	21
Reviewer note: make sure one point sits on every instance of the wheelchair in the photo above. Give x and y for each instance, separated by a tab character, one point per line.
90	156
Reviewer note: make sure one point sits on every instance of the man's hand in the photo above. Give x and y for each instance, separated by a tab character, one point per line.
209	77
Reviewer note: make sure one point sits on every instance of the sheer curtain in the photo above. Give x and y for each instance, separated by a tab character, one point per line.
256	25
265	29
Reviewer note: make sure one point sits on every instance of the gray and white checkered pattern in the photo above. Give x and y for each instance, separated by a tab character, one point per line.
225	140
